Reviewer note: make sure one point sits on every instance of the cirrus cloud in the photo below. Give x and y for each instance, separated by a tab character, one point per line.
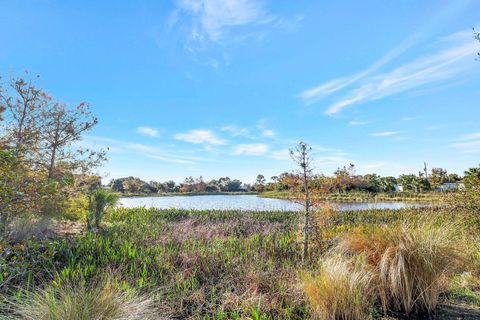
385	134
148	131
200	136
251	149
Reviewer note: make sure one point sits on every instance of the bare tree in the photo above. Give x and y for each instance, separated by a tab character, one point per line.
24	103
64	126
301	155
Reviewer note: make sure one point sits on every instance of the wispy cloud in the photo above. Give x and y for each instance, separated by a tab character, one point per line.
283	154
268	133
384	134
256	132
165	159
469	146
329	161
445	13
471	136
323	90
469	143
357	123
428	69
148	131
212	19
200	136
252	149
139	149
451	59
236	131
213	27
262	126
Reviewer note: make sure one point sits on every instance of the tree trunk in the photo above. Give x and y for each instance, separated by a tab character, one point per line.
52	163
307	216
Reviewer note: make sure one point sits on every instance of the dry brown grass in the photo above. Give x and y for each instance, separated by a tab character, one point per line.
412	262
24	228
340	291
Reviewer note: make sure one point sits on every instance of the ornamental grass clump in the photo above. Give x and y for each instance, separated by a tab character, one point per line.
79	300
412	262
342	290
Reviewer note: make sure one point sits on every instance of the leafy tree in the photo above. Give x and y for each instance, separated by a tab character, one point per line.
233	185
453	177
408	182
388	184
345	179
301	155
411	182
170	185
10	196
373	182
117	185
260	183
212	188
187	185
437	177
41	134
199	185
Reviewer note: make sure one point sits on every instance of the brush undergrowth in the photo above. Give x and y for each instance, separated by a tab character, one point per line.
197	264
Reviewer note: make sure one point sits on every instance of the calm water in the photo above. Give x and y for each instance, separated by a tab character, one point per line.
246	202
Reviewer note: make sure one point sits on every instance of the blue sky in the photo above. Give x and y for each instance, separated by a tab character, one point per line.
225	88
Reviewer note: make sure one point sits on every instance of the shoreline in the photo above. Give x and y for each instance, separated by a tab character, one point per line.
357	198
333	198
186	194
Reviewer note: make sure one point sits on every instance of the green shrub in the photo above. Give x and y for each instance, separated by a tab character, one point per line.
99	200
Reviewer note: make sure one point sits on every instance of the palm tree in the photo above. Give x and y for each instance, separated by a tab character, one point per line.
472	177
99	201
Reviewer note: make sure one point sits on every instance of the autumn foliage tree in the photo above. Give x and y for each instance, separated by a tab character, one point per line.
39	140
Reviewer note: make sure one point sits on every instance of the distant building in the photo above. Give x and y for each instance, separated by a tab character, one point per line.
451	186
399	188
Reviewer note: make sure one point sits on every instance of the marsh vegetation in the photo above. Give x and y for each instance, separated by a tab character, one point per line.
240	264
67	251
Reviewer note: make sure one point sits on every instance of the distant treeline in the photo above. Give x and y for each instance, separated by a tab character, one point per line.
346	179
133	185
343	180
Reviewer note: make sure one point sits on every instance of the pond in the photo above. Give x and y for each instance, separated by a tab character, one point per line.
248	202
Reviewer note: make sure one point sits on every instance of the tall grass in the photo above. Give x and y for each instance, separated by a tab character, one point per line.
79	300
341	290
412	262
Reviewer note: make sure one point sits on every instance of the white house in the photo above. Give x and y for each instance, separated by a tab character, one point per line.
451	186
